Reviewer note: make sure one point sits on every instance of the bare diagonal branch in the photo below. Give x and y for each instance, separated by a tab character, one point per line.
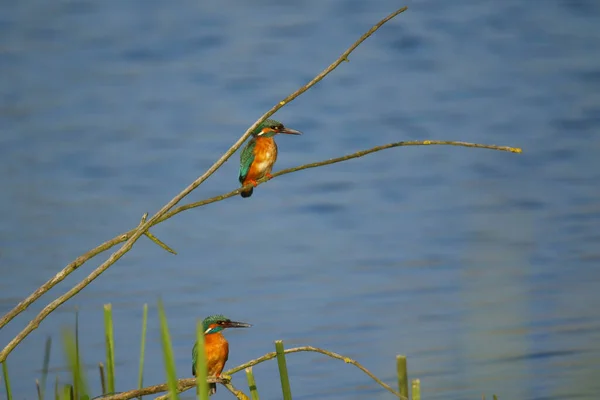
142	228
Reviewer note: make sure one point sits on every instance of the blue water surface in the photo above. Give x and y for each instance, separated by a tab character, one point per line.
481	266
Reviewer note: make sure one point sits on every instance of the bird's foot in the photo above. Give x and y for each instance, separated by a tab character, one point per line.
269	176
253	182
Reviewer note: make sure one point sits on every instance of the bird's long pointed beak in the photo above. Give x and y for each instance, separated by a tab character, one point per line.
234	324
290	131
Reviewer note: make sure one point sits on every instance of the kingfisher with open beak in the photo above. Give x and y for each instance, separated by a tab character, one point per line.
259	155
215	345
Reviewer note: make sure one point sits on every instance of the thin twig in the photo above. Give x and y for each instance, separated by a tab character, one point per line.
155	239
236	392
331	354
337	160
159	242
139	231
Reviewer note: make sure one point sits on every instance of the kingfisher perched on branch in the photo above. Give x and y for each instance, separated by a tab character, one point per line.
215	345
259	155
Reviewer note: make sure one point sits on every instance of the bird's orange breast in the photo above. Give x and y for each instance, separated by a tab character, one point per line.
217	353
265	155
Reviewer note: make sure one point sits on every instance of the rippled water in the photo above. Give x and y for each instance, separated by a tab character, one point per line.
480	266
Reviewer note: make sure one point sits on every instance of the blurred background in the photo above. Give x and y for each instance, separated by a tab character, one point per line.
480	266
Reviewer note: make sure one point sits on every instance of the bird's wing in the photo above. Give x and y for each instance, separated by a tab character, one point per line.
246	158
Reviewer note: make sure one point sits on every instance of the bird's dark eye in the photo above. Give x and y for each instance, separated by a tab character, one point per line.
279	127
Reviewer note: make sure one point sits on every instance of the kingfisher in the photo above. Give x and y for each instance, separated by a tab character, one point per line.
215	345
259	155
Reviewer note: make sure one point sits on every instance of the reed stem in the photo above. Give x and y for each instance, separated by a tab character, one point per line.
143	347
167	353
45	365
110	348
102	378
6	381
283	372
252	384
76	360
78	380
38	390
402	370
416	389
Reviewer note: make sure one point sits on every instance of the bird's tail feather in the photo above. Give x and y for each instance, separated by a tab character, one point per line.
213	388
247	193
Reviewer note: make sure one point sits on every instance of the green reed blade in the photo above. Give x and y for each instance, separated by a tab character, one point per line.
68	392
199	360
110	348
283	372
252	384
416	389
39	390
402	370
79	383
6	381
495	397
45	366
167	352
77	367
102	378
56	392
143	347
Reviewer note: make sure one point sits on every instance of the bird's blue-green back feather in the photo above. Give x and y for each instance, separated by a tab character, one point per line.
246	159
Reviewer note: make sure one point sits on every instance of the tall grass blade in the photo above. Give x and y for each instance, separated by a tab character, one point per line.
6	381
495	397
39	390
110	348
68	392
143	348
56	392
78	375
167	352
283	372
45	365
252	384
102	378
77	370
402	371
199	360
416	389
